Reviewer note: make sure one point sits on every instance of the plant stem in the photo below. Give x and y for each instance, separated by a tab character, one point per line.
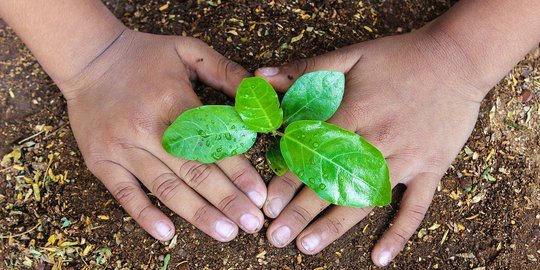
279	133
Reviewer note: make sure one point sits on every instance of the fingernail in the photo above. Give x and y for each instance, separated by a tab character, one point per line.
385	258
269	71
256	198
274	207
311	242
225	229
281	236
249	222
163	229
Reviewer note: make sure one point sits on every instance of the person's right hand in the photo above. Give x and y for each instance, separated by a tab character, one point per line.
119	107
414	100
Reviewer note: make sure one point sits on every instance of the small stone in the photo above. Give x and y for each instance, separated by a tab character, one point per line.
526	96
128	227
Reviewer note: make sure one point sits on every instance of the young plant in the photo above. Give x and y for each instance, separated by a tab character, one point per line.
337	164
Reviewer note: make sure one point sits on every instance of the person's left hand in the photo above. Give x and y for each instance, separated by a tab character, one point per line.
414	101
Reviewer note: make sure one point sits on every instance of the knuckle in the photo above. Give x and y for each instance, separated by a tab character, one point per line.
239	176
417	212
125	192
142	212
142	122
227	203
170	99
94	157
398	235
303	65
201	216
166	186
300	214
333	225
289	183
195	173
231	66
228	68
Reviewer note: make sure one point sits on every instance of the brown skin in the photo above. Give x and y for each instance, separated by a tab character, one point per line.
123	89
415	96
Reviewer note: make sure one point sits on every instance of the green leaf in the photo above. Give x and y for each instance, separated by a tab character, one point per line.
208	134
339	165
275	160
314	96
257	104
166	262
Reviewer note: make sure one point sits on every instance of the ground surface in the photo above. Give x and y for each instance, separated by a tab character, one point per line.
53	212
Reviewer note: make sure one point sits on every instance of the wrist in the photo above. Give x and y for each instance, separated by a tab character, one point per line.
65	36
453	62
481	41
97	66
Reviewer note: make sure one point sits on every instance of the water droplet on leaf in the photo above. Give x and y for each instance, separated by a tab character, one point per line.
315	145
228	136
322	186
219	149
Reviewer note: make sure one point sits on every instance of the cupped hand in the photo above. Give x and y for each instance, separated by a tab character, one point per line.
120	105
409	96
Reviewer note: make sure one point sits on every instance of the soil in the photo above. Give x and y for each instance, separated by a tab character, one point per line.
55	215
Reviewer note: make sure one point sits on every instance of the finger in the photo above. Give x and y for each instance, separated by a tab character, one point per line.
211	67
127	191
245	177
400	169
212	184
283	77
281	190
178	196
329	227
295	217
414	205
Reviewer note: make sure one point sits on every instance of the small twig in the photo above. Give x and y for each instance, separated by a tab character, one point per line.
20	234
47	136
56	130
97	227
31	137
80	255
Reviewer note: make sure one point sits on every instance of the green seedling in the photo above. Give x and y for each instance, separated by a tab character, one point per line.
337	164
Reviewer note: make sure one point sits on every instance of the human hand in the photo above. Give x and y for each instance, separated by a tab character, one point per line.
119	107
411	98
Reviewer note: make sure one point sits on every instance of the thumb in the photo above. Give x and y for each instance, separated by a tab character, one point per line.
209	66
283	77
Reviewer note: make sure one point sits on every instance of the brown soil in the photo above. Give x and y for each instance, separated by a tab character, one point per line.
486	214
